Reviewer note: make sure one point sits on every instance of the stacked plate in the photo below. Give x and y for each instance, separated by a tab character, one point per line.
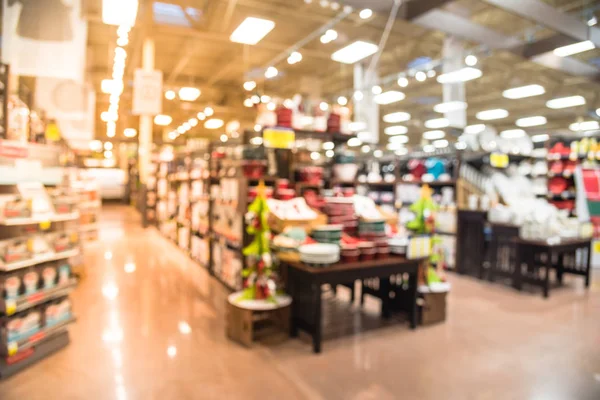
398	245
328	234
319	254
371	229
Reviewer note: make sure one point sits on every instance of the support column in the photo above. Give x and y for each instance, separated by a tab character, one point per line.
453	54
146	121
366	110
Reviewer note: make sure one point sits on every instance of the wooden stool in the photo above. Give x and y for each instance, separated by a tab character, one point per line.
244	317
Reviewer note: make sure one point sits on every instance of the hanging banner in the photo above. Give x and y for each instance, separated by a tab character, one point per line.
44	38
147	92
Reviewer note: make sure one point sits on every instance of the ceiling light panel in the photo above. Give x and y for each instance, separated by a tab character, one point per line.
585	126
574	48
434	135
354	52
461	75
189	93
475	129
565	102
512	133
392	96
437	123
163	120
396	117
252	30
531	121
398	139
524	91
395	130
214	123
490	115
450	106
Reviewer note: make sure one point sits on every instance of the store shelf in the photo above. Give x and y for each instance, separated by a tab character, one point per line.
46	333
433	183
378	184
566	175
230	243
11	365
39	219
39	259
567	195
324	136
12	306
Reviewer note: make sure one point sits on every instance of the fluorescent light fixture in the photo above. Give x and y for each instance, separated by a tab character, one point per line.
396	117
398	139
163	120
252	30
512	133
366	13
428	148
524	91
574	48
531	121
434	135
119	12
401	151
489	115
437	123
358	126
354	142
189	93
129	132
392	96
395	130
440	144
450	106
461	75
354	52
540	138
396	147
565	102
213	123
475	129
249	85
584	126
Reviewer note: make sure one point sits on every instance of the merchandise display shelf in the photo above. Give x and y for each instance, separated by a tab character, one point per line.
12	365
11	306
14	347
38	219
39	259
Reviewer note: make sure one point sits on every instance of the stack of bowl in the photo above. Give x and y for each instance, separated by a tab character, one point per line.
371	230
319	254
331	234
340	211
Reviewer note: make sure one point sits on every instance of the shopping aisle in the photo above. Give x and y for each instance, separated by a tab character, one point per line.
151	327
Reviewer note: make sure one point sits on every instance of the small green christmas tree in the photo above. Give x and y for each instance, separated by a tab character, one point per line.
259	276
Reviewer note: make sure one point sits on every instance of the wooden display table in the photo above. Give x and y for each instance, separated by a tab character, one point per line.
535	259
242	316
304	285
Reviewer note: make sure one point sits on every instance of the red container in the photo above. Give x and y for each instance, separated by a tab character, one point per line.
350	254
254	169
283	184
367	255
383	253
284	117
286	194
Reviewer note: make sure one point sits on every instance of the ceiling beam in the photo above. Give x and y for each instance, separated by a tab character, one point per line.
414	9
543	14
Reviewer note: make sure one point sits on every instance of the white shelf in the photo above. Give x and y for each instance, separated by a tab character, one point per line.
40	218
42	258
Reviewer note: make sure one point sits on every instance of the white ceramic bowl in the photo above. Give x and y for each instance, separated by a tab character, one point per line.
345	172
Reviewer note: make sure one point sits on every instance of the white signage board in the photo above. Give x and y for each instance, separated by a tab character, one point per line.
147	92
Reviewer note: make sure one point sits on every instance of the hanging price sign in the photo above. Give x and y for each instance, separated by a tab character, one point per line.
499	160
279	138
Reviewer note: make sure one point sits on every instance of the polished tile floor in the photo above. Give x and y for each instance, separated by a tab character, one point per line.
151	327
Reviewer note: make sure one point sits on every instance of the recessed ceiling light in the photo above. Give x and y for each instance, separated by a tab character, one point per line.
512	133
271	106
271	72
434	135
524	91
462	75
129	132
180	130
252	30
354	52
437	123
249	85
389	97
584	126
163	120
403	81
342	100
471	60
540	138
366	13
170	95
450	106
440	144
475	129
420	76
574	48
189	93
201	116
531	121
213	123
396	117
460	145
565	102
398	139
376	89
489	115
354	142
365	149
108	146
395	130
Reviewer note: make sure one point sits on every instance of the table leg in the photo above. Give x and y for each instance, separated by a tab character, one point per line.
292	292
588	266
517	284
547	276
317	322
413	283
560	266
352	292
362	292
384	289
